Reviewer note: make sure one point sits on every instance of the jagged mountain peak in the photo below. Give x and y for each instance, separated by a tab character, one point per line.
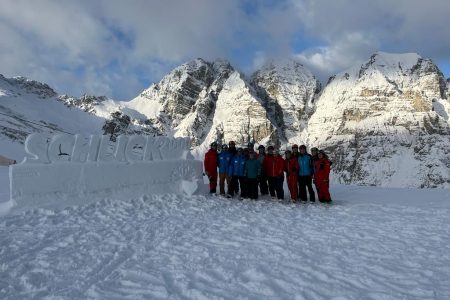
284	64
398	65
197	64
404	61
13	85
396	73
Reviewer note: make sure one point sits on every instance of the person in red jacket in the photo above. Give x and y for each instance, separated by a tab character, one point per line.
291	168
322	177
211	163
273	166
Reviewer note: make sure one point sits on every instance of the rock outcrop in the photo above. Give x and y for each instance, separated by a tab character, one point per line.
287	90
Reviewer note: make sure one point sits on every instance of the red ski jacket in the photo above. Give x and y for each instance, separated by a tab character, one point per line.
291	166
321	170
211	162
273	166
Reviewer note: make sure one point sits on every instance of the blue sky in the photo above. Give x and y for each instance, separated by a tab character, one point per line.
118	48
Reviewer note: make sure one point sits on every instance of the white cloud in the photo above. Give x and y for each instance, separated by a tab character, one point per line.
117	47
104	46
347	51
352	30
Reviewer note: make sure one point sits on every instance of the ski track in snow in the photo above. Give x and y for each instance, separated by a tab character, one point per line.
172	247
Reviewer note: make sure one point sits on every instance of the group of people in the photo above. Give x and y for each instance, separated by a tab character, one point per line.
242	170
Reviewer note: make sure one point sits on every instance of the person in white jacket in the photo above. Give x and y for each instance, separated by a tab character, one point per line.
4	161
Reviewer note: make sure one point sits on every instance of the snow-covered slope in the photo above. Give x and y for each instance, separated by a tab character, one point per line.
288	90
27	106
386	123
372	243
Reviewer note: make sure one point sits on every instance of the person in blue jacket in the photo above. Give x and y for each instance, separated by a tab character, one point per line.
252	173
237	173
305	175
224	164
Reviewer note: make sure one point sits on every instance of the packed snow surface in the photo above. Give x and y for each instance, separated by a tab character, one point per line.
371	243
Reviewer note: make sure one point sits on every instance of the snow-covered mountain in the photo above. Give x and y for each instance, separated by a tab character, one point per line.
206	101
28	106
385	122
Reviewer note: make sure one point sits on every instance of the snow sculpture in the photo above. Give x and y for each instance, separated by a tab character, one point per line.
61	170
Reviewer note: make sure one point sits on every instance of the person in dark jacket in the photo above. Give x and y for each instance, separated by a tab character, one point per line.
252	173
322	177
210	164
305	174
291	169
224	164
274	169
295	152
263	187
232	148
314	152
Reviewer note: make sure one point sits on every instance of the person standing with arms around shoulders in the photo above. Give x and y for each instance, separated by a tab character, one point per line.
295	154
4	161
314	151
263	188
274	169
210	165
291	169
224	164
322	177
305	174
252	172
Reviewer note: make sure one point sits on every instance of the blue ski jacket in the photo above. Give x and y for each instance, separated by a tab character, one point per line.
237	166
305	162
224	161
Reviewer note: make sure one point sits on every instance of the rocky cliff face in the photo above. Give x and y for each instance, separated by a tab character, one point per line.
448	88
379	124
287	90
240	115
